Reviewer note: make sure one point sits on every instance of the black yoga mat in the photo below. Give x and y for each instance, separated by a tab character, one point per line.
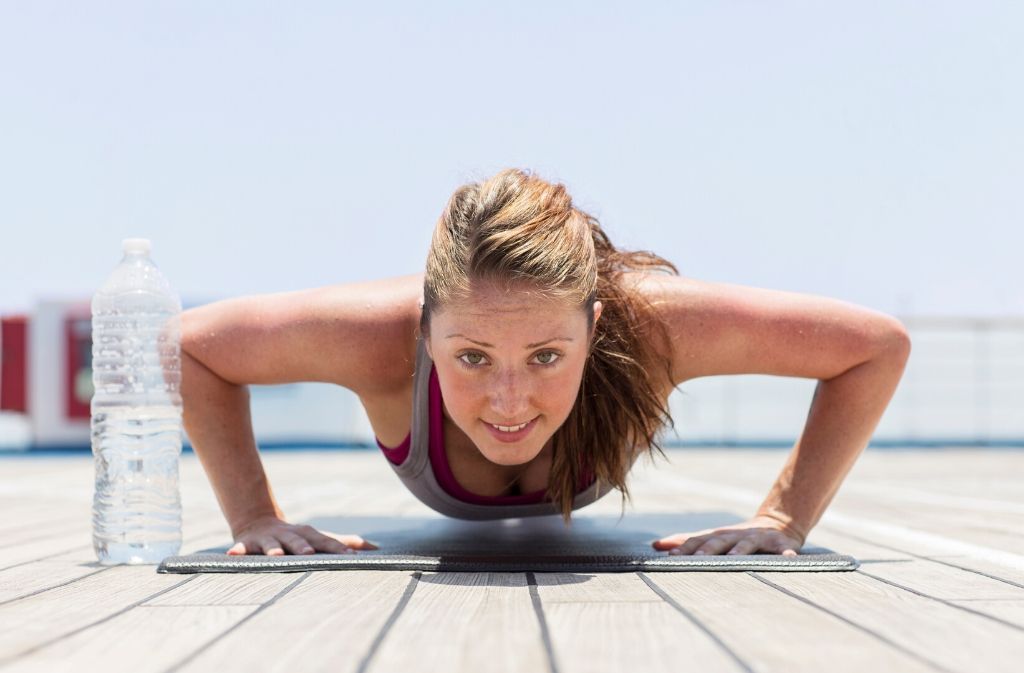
541	544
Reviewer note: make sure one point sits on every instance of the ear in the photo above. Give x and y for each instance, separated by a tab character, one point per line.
593	328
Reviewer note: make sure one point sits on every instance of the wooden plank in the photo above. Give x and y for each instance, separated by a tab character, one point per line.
973	578
1000	531
770	631
1011	611
939	495
78	541
486	621
682	492
32	578
583	615
938	578
978	474
80	562
887	543
34	621
944	636
328	622
52	528
641	636
141	639
324	490
225	589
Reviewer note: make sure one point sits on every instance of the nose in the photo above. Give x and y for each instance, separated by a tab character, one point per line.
509	397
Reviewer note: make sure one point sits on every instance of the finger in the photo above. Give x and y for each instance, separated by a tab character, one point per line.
669	542
270	546
694	544
745	546
717	544
328	544
679	538
689	545
355	541
238	548
296	544
783	544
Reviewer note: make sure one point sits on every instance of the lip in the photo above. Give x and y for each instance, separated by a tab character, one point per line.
511	437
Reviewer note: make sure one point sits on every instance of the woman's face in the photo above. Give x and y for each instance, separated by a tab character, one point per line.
509	359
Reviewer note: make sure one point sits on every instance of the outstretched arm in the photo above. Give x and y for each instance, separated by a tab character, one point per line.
857	354
844	413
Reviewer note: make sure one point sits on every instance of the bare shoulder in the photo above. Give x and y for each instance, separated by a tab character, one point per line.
717	328
380	319
358	335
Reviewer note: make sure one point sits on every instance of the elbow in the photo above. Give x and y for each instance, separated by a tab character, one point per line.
191	344
192	328
892	340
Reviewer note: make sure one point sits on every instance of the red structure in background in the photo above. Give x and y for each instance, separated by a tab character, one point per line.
13	363
78	372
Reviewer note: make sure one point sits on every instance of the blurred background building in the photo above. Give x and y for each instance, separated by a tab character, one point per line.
964	385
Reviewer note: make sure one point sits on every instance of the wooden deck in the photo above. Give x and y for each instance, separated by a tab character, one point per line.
940	536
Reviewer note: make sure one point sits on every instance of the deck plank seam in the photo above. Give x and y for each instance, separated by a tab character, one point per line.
371	651
43	558
86	546
545	633
925	558
871	632
54	586
205	646
675	605
1016	627
192	537
35	648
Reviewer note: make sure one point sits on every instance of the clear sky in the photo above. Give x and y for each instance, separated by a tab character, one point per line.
870	151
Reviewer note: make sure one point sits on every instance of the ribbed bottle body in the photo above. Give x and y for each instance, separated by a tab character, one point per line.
136	417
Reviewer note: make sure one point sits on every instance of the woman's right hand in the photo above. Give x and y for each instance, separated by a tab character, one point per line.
272	536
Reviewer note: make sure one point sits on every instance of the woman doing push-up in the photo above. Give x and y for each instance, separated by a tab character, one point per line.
527	369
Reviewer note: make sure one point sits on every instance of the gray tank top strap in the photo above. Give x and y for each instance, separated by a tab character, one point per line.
419	456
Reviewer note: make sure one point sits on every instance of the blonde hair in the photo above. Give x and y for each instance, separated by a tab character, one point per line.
519	230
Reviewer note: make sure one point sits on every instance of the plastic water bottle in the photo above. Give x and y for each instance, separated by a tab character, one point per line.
136	412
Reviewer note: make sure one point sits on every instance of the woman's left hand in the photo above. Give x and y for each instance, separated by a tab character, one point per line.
760	533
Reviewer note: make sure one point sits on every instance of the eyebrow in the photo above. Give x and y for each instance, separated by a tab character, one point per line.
487	345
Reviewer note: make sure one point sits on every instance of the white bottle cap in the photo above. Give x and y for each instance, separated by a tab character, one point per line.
136	246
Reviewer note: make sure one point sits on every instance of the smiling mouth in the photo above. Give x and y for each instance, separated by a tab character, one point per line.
511	433
509	428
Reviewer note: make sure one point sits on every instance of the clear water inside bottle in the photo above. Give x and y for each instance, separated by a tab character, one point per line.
136	503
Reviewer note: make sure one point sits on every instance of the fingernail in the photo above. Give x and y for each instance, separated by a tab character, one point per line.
699	552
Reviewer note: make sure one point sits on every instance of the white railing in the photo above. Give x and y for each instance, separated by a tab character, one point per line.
964	384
